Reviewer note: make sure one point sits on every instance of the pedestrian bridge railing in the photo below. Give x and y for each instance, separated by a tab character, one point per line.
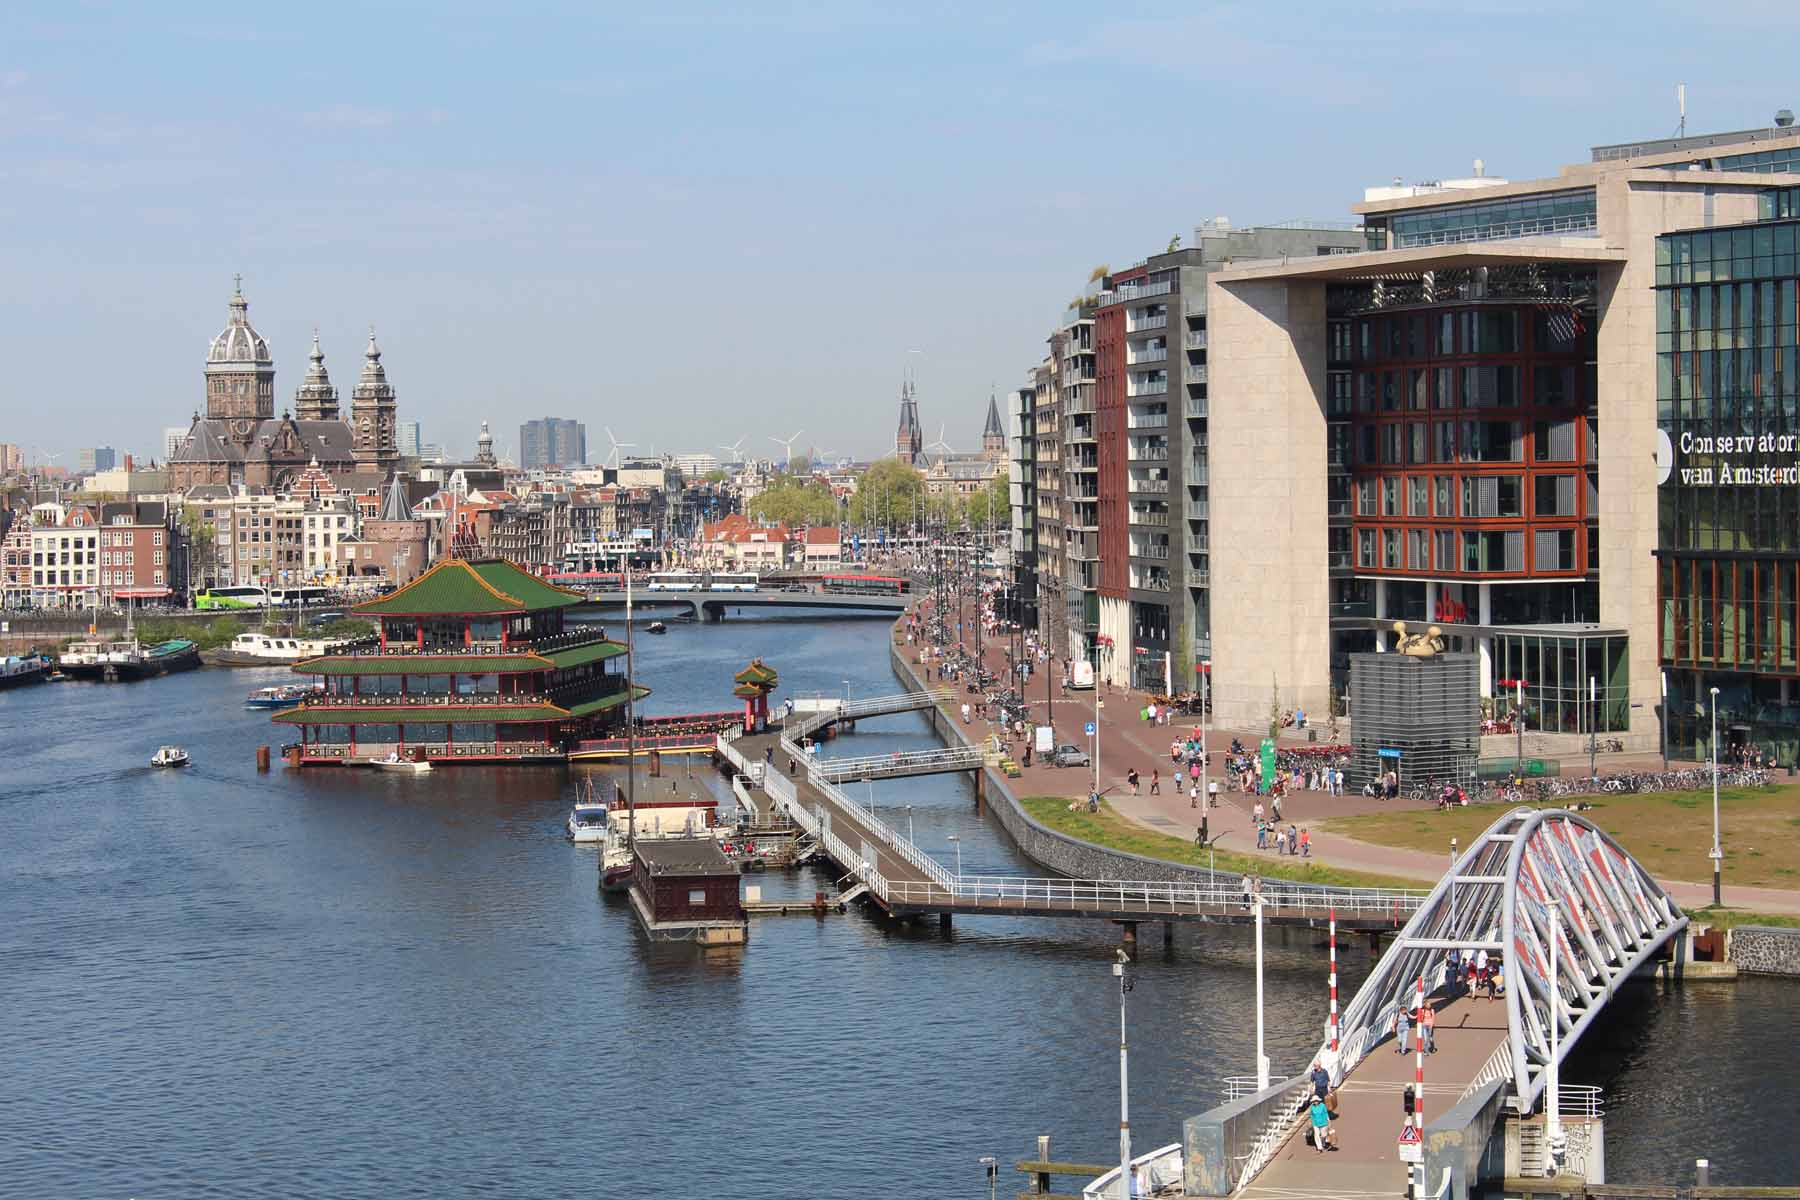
901	762
1148	896
903	847
896	703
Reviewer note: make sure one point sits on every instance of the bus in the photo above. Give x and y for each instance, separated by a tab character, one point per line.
865	585
600	581
232	597
308	596
702	581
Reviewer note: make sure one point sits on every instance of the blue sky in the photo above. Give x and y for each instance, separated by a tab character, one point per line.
707	222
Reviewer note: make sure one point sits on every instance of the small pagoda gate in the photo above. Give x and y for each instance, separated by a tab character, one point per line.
754	683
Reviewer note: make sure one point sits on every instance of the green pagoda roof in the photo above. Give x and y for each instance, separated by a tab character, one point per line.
758	673
459	664
422	714
460	586
588	708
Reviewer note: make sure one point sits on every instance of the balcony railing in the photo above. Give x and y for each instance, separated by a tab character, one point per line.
1079	404
1148	356
1146	420
1149	487
1196	374
1150	581
1198	543
1196	407
1196	339
1125	293
1159	387
1199	578
1150	551
1198	509
1149	453
371	647
1143	323
1144	516
1197	474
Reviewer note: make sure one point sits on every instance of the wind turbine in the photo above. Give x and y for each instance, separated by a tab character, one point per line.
789	443
736	450
617	446
941	444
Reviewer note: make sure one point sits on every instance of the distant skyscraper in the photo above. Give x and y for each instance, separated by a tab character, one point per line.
406	438
172	437
96	458
552	442
11	458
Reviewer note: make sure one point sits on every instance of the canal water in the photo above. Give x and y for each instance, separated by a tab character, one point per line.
339	983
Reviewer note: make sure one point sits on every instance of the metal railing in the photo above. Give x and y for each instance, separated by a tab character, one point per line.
1172	897
900	762
875	825
1279	1127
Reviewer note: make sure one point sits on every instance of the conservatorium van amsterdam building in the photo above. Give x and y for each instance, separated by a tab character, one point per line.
474	662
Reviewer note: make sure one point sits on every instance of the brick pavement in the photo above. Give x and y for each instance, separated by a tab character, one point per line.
1126	741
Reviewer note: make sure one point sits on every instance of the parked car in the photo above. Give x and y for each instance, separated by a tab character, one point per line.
1070	756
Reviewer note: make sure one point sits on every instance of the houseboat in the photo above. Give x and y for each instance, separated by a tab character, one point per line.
128	659
474	661
18	669
274	650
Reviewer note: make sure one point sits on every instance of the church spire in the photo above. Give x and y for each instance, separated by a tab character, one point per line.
316	399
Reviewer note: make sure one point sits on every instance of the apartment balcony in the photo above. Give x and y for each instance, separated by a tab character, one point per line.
1140	452
1125	293
1199	578
1197	510
1079	403
1142	324
1148	516
1153	550
1198	543
1147	419
1151	387
1196	339
1080	522
1149	579
1197	474
1160	355
1147	487
1082	547
1196	374
1196	407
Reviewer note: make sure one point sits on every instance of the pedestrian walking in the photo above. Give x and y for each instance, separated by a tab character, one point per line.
1401	1027
1428	1028
1131	777
1262	836
1194	796
1275	807
1155	782
1246	883
1321	1124
1305	844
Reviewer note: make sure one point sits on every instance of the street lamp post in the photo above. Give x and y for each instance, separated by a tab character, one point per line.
1124	1083
1593	725
1553	1074
1262	1060
1663	713
909	823
954	838
1718	855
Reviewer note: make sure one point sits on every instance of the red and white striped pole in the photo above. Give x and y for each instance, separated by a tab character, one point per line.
1334	1015
1419	1063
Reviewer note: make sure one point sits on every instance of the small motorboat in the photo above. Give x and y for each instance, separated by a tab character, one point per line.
169	756
656	627
587	820
284	695
404	766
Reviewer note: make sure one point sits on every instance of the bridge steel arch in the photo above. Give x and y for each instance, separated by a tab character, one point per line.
1534	875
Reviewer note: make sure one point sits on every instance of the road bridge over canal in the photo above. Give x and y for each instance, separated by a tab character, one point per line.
711	606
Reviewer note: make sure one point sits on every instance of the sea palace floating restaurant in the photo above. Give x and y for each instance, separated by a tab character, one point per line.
474	663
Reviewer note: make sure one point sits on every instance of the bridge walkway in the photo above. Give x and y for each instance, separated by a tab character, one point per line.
906	881
1470	1030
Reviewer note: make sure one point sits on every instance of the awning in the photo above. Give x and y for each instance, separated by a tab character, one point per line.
149	593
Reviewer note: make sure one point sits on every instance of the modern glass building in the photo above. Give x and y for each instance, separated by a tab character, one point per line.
1728	510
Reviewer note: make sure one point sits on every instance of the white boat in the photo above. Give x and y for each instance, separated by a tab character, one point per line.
270	649
169	756
405	766
587	820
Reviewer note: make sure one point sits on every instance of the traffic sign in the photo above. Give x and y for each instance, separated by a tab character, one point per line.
1411	1151
1088	729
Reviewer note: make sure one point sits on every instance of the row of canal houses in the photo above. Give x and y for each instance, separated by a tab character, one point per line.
475	660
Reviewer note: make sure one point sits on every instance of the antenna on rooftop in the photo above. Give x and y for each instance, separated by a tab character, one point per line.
1681	103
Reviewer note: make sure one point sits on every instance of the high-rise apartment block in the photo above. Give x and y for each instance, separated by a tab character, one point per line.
96	458
1554	418
552	442
406	438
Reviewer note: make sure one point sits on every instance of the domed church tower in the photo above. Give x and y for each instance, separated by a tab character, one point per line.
316	399
372	407
240	373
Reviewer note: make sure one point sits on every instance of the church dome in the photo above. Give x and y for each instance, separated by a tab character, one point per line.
239	343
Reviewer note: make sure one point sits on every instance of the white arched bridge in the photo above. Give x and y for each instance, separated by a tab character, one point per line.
1539	887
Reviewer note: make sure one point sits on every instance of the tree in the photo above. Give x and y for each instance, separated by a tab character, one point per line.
790	501
716	476
991	507
799	466
887	495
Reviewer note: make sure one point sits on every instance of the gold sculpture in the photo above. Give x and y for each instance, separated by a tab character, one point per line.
1418	645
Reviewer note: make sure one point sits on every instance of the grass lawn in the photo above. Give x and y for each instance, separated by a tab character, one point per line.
1669	832
1723	918
1108	828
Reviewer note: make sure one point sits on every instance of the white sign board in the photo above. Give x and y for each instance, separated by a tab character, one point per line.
1411	1150
1045	742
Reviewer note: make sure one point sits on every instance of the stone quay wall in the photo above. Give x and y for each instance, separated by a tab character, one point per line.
1765	950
